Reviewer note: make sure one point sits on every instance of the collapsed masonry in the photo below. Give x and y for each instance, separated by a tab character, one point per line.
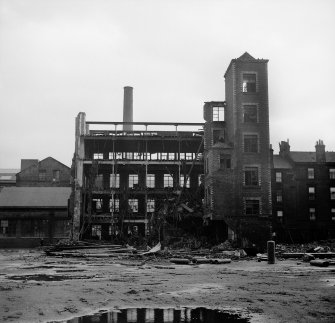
128	181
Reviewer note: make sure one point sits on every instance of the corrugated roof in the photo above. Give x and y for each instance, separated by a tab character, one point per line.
280	162
34	196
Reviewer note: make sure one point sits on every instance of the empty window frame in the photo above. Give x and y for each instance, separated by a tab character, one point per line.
312	215
150	205
98	156
114	180
218	113
249	82
56	175
137	156
151	180
171	156
97	204
96	231
98	181
133	180
114	205
182	181
218	135
168	180
252	206
251	177
310	173
311	193
42	175
181	156
250	113
332	173
154	156
332	193
129	155
189	156
250	143
279	177
225	161
164	156
133	205
279	196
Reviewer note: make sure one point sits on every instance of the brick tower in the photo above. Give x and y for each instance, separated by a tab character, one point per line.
237	154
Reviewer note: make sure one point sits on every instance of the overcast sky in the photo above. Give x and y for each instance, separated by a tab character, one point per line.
60	57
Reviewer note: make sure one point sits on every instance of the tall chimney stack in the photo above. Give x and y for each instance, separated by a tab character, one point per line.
128	108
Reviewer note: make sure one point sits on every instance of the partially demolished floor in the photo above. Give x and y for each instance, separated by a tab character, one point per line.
38	288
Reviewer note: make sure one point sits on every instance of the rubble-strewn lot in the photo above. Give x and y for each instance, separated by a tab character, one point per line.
38	288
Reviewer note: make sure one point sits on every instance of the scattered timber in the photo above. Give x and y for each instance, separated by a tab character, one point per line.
320	255
319	263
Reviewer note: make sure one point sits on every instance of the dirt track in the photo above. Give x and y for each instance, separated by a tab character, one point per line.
36	288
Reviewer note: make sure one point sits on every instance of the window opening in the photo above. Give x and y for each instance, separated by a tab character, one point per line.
311	193
150	205
168	180
133	180
218	113
114	180
133	205
114	207
332	173
249	82
250	143
251	176
278	177
310	173
250	114
182	181
312	215
252	207
98	156
151	180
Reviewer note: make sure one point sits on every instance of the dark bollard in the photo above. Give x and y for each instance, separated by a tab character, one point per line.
271	252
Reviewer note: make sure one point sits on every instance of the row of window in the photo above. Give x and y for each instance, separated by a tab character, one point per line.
168	180
42	175
249	113
311	212
114	205
310	174
149	156
311	194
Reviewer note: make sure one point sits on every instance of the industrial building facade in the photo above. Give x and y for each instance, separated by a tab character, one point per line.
130	176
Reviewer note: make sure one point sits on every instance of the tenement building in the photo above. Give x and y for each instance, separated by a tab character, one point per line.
303	194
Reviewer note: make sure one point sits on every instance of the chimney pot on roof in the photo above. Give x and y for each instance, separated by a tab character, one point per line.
320	151
284	148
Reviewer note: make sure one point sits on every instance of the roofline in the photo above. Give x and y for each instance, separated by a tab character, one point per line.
43	160
148	123
257	60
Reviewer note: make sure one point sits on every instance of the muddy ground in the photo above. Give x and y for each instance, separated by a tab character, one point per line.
37	288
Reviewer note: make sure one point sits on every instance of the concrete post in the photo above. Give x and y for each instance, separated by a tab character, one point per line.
271	252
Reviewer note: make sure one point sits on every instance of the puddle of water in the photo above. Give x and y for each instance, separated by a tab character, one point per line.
159	315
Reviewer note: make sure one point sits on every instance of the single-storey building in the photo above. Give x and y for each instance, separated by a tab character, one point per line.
31	216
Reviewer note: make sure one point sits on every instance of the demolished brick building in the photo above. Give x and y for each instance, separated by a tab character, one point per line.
127	180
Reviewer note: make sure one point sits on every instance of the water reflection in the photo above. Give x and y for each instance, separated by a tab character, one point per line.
169	315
